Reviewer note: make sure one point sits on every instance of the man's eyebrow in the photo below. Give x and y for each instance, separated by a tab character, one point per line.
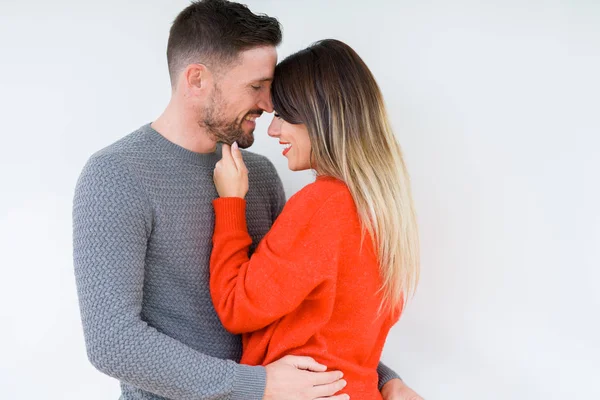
268	79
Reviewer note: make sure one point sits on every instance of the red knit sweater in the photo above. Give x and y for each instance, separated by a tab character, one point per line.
310	288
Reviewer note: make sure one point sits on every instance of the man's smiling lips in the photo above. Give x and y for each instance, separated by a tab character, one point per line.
251	117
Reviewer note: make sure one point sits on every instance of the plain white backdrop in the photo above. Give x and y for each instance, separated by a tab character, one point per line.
496	104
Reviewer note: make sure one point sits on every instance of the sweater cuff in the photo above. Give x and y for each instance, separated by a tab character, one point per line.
230	214
385	375
249	383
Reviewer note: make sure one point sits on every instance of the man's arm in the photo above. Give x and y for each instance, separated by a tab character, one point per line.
111	218
392	387
395	389
385	375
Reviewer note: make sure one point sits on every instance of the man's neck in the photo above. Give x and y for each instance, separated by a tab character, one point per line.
177	125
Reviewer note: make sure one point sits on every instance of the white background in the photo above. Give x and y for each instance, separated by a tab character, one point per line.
496	104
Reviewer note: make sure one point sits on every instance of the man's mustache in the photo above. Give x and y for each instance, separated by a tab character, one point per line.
256	113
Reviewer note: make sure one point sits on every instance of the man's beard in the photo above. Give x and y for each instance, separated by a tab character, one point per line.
222	130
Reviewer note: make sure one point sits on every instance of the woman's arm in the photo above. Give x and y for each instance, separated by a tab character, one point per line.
295	260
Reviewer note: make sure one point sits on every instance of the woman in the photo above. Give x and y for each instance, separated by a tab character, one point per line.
331	277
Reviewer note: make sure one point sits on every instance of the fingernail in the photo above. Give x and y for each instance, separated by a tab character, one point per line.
235	145
341	375
344	383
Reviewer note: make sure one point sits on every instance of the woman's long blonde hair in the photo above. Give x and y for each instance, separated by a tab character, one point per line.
329	88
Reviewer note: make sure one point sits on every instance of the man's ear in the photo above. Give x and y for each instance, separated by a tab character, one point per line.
197	77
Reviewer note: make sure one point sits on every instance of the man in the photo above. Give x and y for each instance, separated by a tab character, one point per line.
143	224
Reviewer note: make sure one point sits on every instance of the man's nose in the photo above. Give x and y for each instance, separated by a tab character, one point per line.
265	102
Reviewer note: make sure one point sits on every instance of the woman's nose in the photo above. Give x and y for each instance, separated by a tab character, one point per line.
275	127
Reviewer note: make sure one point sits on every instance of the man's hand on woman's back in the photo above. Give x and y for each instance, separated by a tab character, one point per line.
302	378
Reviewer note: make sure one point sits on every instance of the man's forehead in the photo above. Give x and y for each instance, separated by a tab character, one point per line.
259	62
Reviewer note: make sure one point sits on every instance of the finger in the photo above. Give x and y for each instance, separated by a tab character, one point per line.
306	363
325	378
237	157
226	158
324	391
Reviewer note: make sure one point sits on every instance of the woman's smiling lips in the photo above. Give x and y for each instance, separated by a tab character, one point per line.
287	146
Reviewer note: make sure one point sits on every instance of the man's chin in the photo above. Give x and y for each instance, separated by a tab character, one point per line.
245	141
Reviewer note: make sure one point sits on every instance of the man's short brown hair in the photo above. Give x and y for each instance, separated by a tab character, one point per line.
214	32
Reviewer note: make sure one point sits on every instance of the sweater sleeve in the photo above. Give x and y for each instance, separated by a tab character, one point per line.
297	258
386	374
112	221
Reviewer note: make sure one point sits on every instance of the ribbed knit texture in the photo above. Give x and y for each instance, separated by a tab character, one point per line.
310	288
143	223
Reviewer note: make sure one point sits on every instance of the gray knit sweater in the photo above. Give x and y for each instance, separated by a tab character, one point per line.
143	223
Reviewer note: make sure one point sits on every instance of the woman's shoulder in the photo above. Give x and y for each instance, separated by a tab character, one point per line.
325	191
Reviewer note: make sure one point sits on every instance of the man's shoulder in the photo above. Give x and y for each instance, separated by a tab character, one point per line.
116	154
133	143
113	163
